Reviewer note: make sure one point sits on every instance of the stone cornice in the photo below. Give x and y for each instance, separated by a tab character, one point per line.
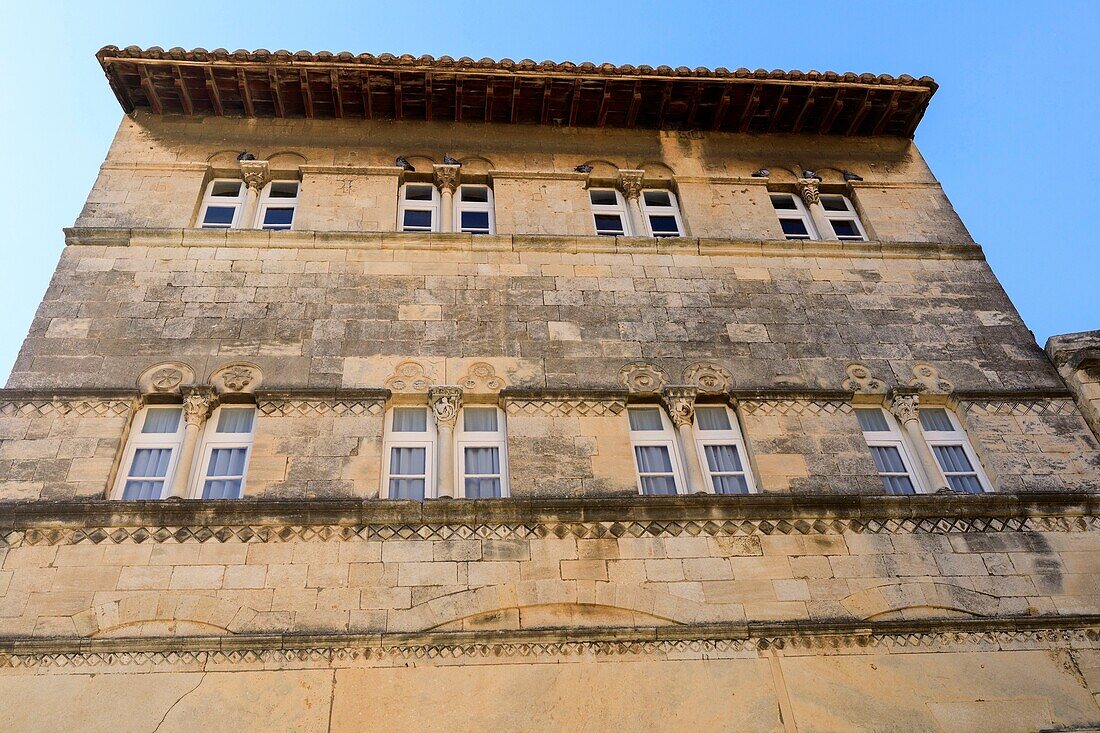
352	649
824	510
353	170
307	239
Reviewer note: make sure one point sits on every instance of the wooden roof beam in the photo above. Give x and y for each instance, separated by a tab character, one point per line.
185	96
693	110
635	105
212	89
666	96
337	95
150	90
368	103
276	93
458	98
807	105
246	96
834	110
601	116
489	99
547	87
920	107
750	108
307	93
780	105
398	112
891	108
514	117
574	100
722	109
861	113
428	96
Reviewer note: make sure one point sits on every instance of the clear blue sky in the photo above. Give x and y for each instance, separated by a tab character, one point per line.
1012	133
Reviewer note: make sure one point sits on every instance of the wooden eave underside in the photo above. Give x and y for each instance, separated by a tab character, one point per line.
749	102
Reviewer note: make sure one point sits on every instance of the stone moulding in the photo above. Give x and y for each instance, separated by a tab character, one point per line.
1019	407
277	521
697	641
308	239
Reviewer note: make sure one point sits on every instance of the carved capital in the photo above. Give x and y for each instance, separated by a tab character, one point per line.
681	404
630	183
807	189
906	408
255	174
196	406
445	402
447	176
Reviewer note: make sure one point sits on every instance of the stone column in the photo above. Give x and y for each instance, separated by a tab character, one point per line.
681	408
196	408
446	178
256	175
807	189
906	408
445	402
630	183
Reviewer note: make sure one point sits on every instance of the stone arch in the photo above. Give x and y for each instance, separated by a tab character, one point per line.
192	615
602	170
286	160
549	599
422	163
831	176
919	599
476	165
655	170
224	159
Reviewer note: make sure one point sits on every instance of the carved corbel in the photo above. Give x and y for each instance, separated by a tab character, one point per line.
445	402
906	408
680	400
197	405
808	190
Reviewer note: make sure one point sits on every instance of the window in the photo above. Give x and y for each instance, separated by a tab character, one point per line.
482	453
952	450
277	205
721	450
474	209
793	216
418	209
888	451
843	218
408	454
149	463
222	205
609	212
655	454
662	213
223	457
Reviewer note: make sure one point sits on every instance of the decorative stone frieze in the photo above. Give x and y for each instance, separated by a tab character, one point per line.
769	408
643	378
861	381
409	377
708	378
1019	407
318	407
481	378
927	379
565	407
90	407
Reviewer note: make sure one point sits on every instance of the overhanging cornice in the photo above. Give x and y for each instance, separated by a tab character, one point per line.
324	85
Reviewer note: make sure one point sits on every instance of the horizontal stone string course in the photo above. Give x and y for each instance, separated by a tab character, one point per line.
538	530
1020	407
564	408
47	408
340	651
795	407
302	408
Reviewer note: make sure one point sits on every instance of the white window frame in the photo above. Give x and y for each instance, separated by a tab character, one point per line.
731	437
137	440
480	439
237	202
666	437
212	439
461	206
673	210
849	215
955	437
619	208
426	440
799	212
268	202
430	206
895	438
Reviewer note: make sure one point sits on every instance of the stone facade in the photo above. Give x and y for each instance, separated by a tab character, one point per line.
815	603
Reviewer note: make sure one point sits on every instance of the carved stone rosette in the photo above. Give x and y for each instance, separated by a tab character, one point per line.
481	378
808	190
445	402
236	378
630	183
165	378
255	174
861	381
906	408
409	377
707	377
447	177
681	404
196	406
642	377
927	378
